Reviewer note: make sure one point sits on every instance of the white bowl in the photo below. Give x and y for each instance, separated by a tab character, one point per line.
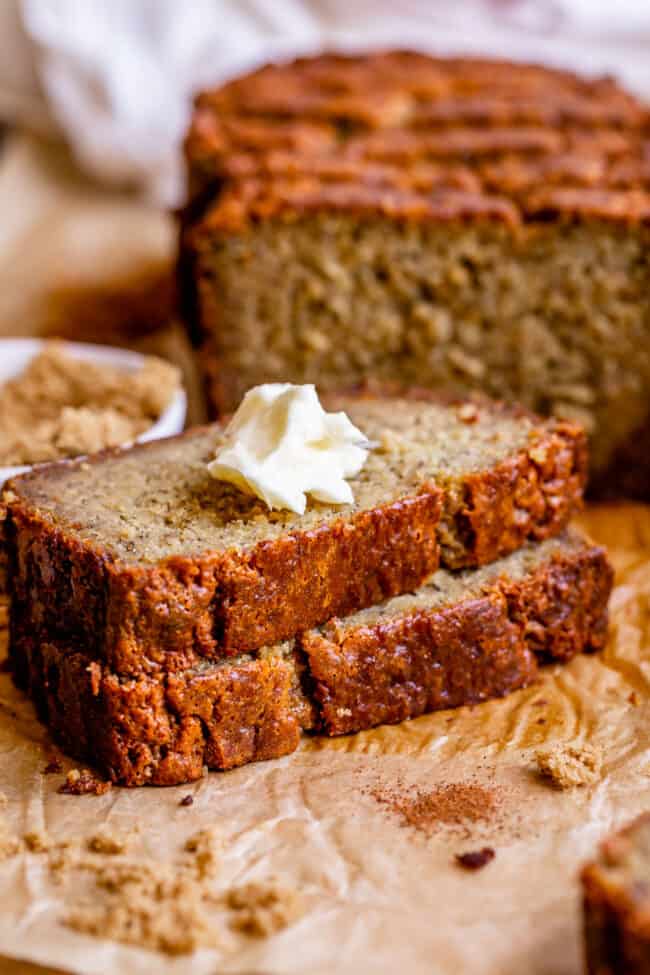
15	354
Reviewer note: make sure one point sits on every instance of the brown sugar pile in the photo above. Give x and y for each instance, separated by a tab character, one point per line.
154	907
171	907
569	766
454	804
60	406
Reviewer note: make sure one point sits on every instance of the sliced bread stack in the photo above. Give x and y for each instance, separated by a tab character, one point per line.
164	621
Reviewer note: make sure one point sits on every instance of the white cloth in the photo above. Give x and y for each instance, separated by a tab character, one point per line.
117	76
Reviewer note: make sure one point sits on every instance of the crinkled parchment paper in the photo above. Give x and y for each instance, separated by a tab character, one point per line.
379	895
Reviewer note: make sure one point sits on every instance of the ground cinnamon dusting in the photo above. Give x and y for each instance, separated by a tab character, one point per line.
452	804
37	841
570	766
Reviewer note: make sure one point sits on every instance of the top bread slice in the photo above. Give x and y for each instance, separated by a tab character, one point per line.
141	559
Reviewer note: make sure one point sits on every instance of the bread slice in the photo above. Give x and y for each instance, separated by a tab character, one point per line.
143	560
616	903
443	222
461	639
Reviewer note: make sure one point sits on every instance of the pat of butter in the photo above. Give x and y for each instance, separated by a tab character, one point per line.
281	445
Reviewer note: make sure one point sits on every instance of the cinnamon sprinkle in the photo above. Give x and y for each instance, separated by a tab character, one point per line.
453	804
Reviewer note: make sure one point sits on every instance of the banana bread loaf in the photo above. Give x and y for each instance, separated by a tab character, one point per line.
142	560
616	900
459	640
460	222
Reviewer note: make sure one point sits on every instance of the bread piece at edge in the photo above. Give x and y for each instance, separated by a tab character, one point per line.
163	730
616	903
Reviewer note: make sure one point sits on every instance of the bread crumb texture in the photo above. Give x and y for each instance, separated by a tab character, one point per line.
569	766
60	406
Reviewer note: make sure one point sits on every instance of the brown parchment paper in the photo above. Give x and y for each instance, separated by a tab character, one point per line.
378	895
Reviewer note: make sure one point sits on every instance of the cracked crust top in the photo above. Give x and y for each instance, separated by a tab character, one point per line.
420	138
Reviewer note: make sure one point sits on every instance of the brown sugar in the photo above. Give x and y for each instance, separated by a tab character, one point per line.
107	843
10	845
261	910
60	406
158	909
454	804
568	766
169	907
204	849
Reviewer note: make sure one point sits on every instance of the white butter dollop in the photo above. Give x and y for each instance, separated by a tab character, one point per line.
281	445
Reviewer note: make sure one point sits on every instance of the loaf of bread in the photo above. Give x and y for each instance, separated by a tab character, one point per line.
459	223
461	639
616	900
145	562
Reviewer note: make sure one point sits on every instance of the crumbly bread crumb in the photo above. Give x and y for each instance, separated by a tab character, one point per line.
83	782
568	766
60	406
261	910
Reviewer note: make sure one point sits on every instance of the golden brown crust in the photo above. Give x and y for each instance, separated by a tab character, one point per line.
163	730
462	653
616	910
291	138
171	615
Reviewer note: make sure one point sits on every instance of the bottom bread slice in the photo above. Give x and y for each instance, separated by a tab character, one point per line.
463	638
616	903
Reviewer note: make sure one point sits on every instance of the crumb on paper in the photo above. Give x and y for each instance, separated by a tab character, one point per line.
83	782
262	909
186	801
475	859
204	847
106	842
53	767
570	766
37	841
60	406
